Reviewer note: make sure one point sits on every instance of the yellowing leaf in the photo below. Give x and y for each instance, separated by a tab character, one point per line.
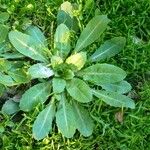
78	60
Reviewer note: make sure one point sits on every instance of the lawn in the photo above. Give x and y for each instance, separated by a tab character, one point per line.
115	128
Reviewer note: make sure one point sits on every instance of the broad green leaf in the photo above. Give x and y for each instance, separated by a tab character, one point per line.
119	87
62	40
39	40
13	55
10	107
108	49
78	59
43	123
65	16
37	34
35	95
103	73
6	80
2	89
58	85
19	76
3	32
79	90
65	118
40	71
84	122
114	99
92	31
26	45
4	16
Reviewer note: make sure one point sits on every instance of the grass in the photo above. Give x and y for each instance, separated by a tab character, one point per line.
128	18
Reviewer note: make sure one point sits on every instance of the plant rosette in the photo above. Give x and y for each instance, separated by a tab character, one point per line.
67	76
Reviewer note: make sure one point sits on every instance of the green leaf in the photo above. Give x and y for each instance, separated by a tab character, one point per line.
3	32
10	107
68	74
2	89
65	118
92	31
35	95
37	34
5	65
26	45
84	122
19	76
58	85
43	123
11	55
4	16
108	49
62	40
65	16
6	80
79	90
56	60
78	59
103	73
114	99
119	87
40	71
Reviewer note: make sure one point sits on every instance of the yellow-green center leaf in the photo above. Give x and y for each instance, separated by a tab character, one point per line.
79	90
56	60
35	95
78	60
103	73
92	31
43	123
114	99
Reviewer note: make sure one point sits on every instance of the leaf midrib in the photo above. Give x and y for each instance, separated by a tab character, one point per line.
122	103
89	35
95	57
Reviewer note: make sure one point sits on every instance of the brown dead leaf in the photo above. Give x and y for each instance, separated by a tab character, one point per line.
119	117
